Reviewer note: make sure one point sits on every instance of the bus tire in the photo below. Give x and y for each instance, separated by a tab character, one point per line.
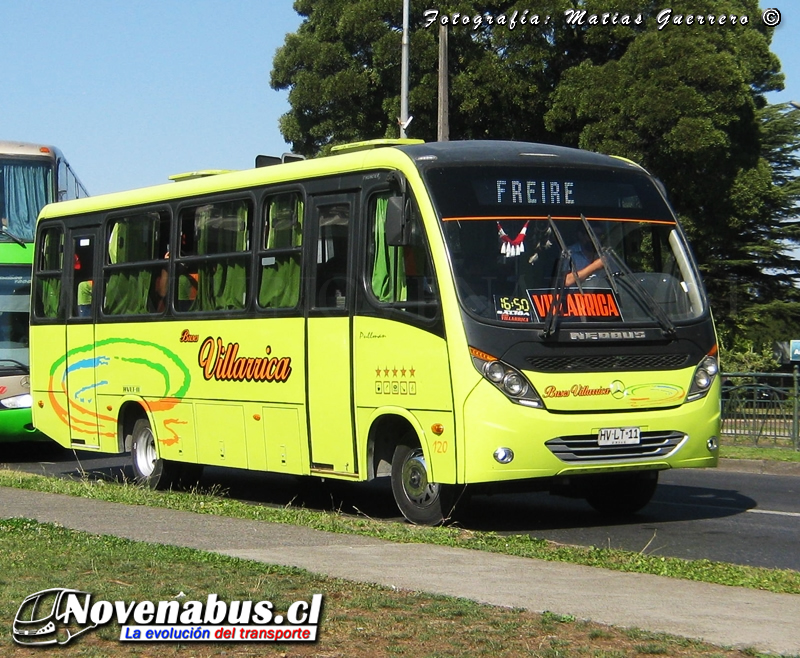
149	469
421	502
621	495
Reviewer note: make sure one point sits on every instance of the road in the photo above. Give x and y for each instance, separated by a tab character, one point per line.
740	518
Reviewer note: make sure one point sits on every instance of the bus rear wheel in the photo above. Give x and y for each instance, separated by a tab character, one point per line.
621	495
421	501
149	469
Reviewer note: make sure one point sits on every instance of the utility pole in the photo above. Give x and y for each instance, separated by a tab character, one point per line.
404	120
443	131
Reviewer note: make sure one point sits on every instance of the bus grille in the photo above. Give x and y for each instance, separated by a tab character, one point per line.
652	445
601	362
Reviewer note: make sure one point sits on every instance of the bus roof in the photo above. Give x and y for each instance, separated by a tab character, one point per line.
25	149
363	156
190	175
497	151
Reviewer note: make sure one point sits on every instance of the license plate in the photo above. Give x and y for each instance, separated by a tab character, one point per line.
618	436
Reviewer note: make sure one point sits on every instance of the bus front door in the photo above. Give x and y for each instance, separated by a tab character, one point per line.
328	337
80	371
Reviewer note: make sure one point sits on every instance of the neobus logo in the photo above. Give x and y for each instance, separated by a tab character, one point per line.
223	363
606	335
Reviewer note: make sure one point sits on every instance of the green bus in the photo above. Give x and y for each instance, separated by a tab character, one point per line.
477	314
31	175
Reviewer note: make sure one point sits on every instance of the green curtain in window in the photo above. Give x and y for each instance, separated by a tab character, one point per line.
222	284
127	292
280	284
50	294
280	279
50	286
388	269
285	222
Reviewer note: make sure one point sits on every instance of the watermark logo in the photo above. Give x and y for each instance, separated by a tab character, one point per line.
583	18
771	17
43	618
58	615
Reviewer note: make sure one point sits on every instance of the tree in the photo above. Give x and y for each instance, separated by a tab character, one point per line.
687	104
687	101
342	69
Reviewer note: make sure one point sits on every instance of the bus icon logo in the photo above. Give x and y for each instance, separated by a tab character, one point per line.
43	618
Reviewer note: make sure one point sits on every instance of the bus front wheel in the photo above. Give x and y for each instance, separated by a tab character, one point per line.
149	469
421	501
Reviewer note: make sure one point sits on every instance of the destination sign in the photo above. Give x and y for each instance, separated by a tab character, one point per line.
529	192
595	305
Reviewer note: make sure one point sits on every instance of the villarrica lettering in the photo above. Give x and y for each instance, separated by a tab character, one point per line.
223	363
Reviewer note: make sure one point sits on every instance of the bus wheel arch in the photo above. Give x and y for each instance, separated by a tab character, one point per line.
149	468
396	449
129	413
386	433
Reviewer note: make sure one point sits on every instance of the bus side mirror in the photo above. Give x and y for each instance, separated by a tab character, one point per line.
397	222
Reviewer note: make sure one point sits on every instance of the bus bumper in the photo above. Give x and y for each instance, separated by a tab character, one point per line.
16	425
492	422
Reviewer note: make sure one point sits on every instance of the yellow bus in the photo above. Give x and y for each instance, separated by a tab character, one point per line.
478	314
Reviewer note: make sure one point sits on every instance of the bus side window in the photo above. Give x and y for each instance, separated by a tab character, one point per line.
135	261
402	277
332	241
69	187
219	234
281	251
49	271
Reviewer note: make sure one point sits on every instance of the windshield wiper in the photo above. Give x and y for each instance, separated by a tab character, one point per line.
19	241
641	294
565	264
13	362
598	248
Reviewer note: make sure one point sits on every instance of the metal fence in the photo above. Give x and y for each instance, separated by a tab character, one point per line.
760	409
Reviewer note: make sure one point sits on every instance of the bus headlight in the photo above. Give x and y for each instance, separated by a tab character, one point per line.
509	380
514	384
704	376
23	401
495	372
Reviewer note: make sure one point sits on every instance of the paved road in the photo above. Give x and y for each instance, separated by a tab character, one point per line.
726	616
741	518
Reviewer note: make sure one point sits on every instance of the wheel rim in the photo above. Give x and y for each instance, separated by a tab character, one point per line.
145	453
415	480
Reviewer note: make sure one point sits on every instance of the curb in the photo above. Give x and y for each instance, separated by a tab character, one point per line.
761	466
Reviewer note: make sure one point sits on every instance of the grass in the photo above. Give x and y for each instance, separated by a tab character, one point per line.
214	502
357	619
756	452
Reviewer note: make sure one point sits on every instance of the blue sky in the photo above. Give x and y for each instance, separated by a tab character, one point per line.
133	92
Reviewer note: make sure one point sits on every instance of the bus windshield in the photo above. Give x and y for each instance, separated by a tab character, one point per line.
602	243
15	290
25	187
